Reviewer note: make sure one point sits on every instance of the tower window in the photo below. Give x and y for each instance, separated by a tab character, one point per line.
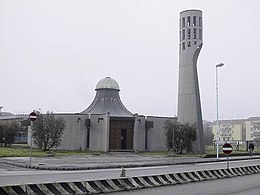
194	33
200	22
194	42
183	46
188	21
183	34
188	43
194	20
188	33
183	22
200	34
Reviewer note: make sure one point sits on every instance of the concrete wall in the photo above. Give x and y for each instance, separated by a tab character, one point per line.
99	132
75	132
139	133
156	139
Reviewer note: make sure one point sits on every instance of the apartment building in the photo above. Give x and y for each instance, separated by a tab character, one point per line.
241	130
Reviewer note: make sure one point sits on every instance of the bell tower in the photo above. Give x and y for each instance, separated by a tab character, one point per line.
189	106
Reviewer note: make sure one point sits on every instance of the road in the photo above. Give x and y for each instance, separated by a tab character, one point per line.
243	185
35	176
6	167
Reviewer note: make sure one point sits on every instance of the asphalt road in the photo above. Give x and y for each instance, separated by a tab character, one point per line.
7	167
35	176
243	185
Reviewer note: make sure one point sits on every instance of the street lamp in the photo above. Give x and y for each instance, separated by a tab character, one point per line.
218	128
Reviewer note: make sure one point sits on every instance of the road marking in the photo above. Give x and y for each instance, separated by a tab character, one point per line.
156	167
210	163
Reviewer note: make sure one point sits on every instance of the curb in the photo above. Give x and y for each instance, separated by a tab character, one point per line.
117	166
126	183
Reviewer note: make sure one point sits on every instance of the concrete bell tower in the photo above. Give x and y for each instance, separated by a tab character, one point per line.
189	106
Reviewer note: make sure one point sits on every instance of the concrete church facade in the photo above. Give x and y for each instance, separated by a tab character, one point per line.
107	125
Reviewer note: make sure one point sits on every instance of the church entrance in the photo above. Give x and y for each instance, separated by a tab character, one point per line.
121	134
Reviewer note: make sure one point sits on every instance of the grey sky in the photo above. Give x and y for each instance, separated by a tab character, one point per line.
53	53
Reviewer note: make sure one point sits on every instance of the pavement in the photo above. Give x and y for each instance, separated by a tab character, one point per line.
109	160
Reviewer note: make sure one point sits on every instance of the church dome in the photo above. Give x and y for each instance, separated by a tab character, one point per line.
107	83
107	99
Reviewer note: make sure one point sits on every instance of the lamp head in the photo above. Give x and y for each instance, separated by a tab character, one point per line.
220	65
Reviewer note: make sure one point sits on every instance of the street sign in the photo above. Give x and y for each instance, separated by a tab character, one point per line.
33	116
227	148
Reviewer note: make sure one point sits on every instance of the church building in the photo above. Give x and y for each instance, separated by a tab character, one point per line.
107	125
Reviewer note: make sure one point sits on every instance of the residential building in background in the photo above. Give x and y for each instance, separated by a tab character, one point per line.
239	130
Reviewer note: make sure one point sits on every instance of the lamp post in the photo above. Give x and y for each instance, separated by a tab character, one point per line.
218	128
173	129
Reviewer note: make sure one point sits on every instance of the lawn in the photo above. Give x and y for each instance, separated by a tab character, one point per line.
24	150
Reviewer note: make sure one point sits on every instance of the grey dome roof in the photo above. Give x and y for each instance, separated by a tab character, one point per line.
107	99
107	83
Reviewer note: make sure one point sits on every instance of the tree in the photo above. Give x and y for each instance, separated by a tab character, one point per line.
48	131
7	133
184	135
208	135
169	126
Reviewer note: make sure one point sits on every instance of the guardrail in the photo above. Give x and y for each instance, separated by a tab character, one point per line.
125	183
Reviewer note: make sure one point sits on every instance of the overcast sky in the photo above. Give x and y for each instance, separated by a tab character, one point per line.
53	53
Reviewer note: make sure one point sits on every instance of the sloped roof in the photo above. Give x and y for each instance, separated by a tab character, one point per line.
107	99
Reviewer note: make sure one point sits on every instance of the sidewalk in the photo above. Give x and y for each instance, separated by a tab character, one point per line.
109	160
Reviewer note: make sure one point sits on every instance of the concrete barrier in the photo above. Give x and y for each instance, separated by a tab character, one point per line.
125	183
13	190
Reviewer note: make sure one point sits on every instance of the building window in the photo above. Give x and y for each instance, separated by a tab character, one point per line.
183	34
194	42
194	21
200	34
194	33
200	22
188	43
188	21
183	22
188	33
183	46
180	35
